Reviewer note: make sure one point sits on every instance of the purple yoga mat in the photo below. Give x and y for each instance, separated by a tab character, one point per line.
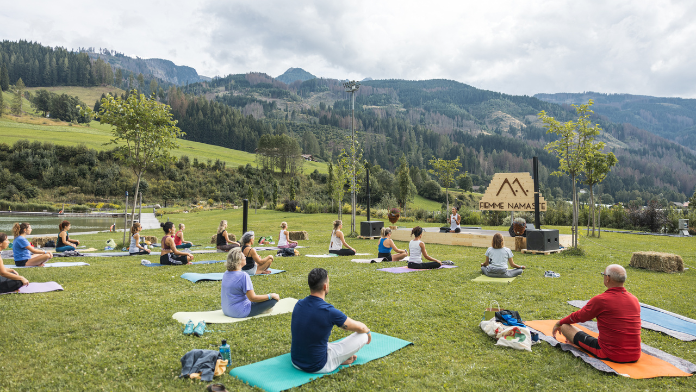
34	287
401	270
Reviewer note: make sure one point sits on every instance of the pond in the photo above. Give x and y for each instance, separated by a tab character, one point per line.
48	224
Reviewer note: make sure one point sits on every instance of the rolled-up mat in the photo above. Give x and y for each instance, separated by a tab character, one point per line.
56	264
401	270
285	305
326	255
660	320
277	374
368	261
652	363
195	277
488	279
34	287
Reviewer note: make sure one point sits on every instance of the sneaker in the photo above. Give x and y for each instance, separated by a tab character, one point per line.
551	274
188	329
200	328
145	262
447	262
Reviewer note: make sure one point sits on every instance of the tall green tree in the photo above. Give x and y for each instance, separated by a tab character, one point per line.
250	196
2	104
4	78
275	193
41	101
404	183
262	197
293	193
445	171
573	147
118	77
597	167
330	184
143	131
341	172
17	101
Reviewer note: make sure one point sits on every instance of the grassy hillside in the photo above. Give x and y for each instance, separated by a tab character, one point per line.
88	95
112	327
96	135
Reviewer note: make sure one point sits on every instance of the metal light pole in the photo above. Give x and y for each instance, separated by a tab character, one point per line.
352	87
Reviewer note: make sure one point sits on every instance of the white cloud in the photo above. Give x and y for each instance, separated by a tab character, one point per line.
518	47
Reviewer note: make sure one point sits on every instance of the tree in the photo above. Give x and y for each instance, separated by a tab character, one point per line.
143	131
292	189
4	78
330	184
17	101
41	101
262	197
118	77
275	193
2	104
445	171
572	149
250	195
341	172
464	181
596	168
153	87
404	195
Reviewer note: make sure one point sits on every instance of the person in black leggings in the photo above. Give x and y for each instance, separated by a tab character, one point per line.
338	242
10	280
416	249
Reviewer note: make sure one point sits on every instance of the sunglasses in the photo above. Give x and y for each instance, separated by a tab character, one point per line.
603	274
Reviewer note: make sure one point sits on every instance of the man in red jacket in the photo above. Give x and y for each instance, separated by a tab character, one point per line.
618	320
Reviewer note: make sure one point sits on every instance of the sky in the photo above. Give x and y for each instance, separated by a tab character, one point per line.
516	47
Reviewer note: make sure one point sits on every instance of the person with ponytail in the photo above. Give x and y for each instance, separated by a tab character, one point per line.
338	241
64	242
284	237
179	238
223	241
417	252
10	280
26	255
170	255
135	248
386	245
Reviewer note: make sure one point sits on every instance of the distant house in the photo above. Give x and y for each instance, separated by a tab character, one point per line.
308	158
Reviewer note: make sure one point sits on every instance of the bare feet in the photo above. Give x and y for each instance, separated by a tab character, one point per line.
350	360
264	272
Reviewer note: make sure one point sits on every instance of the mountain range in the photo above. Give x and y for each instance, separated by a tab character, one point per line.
165	70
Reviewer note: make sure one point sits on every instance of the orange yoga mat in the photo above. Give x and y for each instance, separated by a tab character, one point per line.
646	367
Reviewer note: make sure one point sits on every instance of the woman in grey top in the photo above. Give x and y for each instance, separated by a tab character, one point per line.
497	259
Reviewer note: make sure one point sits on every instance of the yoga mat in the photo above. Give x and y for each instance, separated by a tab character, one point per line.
278	374
326	255
401	270
258	248
652	363
195	262
660	320
488	279
34	287
56	264
195	277
285	305
375	260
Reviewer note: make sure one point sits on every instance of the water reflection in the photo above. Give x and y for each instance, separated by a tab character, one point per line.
48	224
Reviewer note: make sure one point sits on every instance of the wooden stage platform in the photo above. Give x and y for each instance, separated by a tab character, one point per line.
467	237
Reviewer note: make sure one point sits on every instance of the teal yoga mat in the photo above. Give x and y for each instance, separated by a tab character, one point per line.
194	277
278	374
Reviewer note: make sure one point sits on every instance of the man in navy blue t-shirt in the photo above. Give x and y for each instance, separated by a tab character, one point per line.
312	322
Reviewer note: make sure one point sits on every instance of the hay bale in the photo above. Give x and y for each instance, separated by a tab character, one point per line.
232	237
41	241
656	261
298	235
151	238
520	243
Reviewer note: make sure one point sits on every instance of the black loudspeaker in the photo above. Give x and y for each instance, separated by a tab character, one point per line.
371	228
542	240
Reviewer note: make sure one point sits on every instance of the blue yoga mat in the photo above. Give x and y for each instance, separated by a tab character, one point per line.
195	262
278	374
195	277
667	321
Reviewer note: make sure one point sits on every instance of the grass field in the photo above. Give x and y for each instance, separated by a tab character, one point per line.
111	329
96	135
88	95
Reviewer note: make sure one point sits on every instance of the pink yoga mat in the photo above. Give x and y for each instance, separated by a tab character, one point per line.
34	287
401	270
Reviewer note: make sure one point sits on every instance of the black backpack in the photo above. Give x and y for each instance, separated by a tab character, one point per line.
286	252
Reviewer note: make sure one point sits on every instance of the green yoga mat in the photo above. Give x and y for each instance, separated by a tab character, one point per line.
488	279
278	374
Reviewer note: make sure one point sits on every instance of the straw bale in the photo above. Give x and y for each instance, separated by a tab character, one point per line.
41	241
657	261
298	235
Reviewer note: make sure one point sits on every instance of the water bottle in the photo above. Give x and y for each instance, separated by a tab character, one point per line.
225	351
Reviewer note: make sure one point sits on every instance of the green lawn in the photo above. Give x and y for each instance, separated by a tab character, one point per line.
96	135
111	329
88	95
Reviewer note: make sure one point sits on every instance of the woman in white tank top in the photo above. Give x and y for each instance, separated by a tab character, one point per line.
283	241
338	242
417	252
454	220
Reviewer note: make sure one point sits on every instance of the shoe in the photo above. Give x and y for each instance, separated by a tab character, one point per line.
447	262
188	329
551	274
200	328
145	262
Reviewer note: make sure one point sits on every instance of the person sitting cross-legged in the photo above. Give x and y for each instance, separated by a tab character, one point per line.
386	245
312	321
618	319
497	259
237	293
255	265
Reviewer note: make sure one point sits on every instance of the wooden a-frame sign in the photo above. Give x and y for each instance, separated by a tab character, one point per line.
510	192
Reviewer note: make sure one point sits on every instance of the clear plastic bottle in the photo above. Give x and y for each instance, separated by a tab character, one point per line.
225	352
